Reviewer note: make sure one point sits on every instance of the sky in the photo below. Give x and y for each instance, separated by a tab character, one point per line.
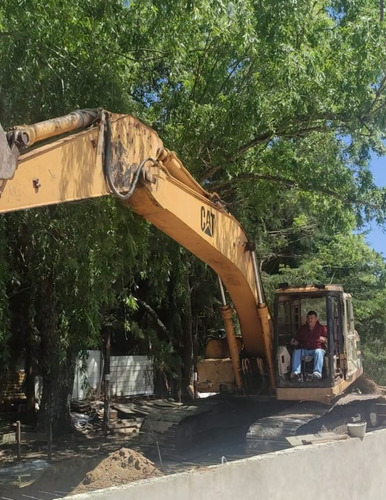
376	237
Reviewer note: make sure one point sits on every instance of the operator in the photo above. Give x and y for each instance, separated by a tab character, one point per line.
310	340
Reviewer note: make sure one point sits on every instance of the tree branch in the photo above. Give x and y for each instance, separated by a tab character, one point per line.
295	185
155	317
378	95
200	65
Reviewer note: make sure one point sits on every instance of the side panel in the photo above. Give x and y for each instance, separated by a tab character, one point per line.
320	394
216	375
67	170
71	169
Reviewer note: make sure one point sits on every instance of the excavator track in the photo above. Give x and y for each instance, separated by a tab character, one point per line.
169	430
172	431
269	434
263	424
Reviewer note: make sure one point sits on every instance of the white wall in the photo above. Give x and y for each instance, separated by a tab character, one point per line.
87	375
129	375
342	470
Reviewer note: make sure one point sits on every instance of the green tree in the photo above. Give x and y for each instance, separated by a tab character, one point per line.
275	104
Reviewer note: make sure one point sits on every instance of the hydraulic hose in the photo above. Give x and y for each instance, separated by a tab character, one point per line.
107	165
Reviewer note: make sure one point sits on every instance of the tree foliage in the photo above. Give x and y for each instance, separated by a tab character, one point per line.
276	104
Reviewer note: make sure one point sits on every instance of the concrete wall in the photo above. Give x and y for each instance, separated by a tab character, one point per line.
343	470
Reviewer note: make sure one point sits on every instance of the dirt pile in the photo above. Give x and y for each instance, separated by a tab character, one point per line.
120	467
364	385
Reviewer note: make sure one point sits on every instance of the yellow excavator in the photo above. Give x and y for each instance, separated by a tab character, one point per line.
110	154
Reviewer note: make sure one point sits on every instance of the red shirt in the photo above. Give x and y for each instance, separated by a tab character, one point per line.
309	339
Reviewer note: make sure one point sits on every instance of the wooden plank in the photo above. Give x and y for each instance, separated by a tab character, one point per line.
324	437
25	437
130	410
117	425
10	437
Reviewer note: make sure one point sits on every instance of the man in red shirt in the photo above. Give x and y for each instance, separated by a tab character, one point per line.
310	340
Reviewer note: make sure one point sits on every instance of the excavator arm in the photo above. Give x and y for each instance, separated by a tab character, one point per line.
117	154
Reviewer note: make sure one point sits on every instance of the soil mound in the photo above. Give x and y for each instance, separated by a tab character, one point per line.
120	467
365	385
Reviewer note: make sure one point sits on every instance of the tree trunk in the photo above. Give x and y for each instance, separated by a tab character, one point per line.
23	342
106	380
57	364
187	355
29	387
56	398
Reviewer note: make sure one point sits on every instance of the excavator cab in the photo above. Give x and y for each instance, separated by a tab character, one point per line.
342	359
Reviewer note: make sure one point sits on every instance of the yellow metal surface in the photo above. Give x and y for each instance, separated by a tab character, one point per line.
29	134
227	316
215	375
179	172
66	170
311	289
219	349
71	169
320	394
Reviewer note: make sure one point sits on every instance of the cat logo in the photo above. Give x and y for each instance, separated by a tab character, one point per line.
207	221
